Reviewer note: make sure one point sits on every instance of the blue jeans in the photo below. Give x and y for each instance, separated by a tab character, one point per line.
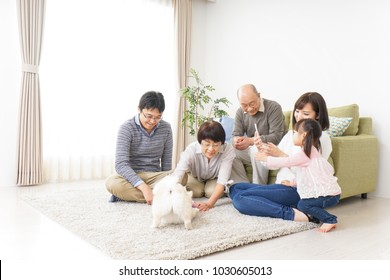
275	201
316	207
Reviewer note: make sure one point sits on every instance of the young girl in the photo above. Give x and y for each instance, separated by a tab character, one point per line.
315	183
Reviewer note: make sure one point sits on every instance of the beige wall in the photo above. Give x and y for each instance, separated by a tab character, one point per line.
286	48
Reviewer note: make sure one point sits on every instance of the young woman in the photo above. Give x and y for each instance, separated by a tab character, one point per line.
279	200
314	181
207	163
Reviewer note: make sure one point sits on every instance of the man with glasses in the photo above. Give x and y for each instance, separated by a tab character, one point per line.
143	152
255	113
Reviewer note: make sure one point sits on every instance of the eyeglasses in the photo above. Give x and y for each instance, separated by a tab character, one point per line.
151	117
209	145
252	105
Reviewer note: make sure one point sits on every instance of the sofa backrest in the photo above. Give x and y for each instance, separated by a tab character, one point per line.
351	111
287	120
347	111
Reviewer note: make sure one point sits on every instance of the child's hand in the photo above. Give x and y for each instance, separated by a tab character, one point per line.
261	156
257	141
272	150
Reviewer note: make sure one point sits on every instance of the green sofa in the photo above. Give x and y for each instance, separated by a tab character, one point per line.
354	155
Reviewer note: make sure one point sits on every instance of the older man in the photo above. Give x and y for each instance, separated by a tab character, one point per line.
254	111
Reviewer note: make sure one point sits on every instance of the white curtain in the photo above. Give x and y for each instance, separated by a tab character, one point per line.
100	56
30	19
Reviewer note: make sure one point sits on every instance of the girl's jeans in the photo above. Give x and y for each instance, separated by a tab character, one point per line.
316	207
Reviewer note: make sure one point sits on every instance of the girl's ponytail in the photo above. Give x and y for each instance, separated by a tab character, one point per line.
313	133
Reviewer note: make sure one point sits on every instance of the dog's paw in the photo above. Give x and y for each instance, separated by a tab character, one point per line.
195	211
155	224
188	225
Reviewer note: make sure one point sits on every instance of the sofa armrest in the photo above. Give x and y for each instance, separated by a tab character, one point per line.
355	160
365	126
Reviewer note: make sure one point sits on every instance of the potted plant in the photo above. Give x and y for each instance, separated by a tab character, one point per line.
198	97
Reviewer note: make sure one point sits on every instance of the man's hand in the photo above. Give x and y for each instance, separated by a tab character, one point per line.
147	192
242	142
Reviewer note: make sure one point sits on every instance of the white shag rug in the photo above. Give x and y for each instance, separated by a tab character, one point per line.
123	230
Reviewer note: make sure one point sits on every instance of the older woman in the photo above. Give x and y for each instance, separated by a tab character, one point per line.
208	164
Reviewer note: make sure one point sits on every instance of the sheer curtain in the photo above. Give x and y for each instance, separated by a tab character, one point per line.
100	56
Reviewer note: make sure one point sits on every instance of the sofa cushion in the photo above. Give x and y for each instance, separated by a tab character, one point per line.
351	111
337	126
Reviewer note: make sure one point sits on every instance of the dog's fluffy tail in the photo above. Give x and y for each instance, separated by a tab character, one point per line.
172	203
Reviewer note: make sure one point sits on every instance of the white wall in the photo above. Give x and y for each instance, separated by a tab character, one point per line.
10	77
337	48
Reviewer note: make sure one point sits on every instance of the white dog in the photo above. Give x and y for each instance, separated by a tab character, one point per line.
172	203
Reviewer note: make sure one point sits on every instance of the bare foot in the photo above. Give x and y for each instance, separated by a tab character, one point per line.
299	216
326	227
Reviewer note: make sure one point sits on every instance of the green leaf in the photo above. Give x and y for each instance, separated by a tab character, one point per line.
197	97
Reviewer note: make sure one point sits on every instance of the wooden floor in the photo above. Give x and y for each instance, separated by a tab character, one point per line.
361	234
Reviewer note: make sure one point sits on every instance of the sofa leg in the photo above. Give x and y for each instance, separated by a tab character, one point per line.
364	195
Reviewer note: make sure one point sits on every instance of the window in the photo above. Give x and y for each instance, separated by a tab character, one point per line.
98	58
